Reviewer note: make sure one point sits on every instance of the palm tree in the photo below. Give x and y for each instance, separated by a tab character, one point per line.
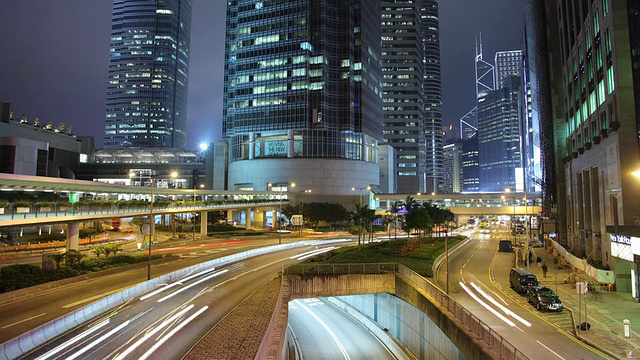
396	206
57	258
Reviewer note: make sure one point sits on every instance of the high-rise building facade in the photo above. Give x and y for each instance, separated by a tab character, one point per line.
303	94
452	168
403	95
148	74
507	64
499	148
595	128
432	93
469	163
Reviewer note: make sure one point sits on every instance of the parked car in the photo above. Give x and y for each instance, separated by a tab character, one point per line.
535	243
521	280
544	298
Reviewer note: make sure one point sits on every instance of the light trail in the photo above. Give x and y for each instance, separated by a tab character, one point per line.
171	333
179	282
500	306
492	310
192	285
99	340
326	327
74	340
131	348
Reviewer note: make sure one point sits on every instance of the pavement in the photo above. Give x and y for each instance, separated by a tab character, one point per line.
605	310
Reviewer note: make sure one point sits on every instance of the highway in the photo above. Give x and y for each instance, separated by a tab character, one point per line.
322	331
166	323
479	281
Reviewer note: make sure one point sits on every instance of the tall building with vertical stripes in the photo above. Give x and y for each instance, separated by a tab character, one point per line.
148	74
303	94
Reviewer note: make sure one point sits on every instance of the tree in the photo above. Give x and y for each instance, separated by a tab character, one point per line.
73	257
418	218
58	258
114	248
396	206
98	250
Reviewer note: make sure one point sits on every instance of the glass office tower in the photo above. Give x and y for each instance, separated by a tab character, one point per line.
148	74
432	93
302	94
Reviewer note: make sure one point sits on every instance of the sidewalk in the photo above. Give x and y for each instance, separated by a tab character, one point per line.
605	310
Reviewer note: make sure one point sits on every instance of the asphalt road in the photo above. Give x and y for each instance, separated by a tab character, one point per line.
322	331
483	270
166	323
23	315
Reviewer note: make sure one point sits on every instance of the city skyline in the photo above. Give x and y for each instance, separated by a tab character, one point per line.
67	42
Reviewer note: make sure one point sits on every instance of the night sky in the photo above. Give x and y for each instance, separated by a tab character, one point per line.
54	59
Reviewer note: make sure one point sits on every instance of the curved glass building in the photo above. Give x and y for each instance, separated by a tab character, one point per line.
302	94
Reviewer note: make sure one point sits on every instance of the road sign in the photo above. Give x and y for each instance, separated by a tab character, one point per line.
296	220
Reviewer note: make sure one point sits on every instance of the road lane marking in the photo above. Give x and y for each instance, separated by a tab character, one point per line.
86	300
555	353
326	327
21	321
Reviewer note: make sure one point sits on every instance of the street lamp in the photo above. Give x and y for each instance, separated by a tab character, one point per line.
151	220
301	209
271	185
368	188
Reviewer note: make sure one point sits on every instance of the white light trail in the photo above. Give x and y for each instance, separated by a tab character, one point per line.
72	341
502	307
179	282
476	298
192	285
99	340
312	253
131	348
331	333
171	333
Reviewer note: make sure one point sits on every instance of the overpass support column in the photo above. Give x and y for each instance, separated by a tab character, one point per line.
248	218
203	223
230	215
274	219
258	218
73	230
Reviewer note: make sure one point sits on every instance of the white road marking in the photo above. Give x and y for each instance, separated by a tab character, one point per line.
554	353
21	321
94	297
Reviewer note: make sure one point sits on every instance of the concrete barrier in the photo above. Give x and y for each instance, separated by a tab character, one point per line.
23	344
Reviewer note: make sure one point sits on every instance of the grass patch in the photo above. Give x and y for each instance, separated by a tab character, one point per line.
416	254
20	276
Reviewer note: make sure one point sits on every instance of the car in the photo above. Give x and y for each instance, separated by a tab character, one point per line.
521	280
544	298
535	243
520	229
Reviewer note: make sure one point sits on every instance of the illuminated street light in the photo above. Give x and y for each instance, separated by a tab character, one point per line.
271	185
173	174
368	188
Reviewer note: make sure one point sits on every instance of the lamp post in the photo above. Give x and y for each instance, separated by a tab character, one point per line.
361	188
271	185
301	209
151	220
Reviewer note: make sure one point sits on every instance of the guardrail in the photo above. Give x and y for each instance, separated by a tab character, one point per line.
89	212
471	322
341	269
28	341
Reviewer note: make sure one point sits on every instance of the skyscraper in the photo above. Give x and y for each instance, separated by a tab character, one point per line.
303	95
148	74
403	95
432	92
412	93
507	64
499	137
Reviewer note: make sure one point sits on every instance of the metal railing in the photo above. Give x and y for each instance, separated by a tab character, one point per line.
471	322
342	269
